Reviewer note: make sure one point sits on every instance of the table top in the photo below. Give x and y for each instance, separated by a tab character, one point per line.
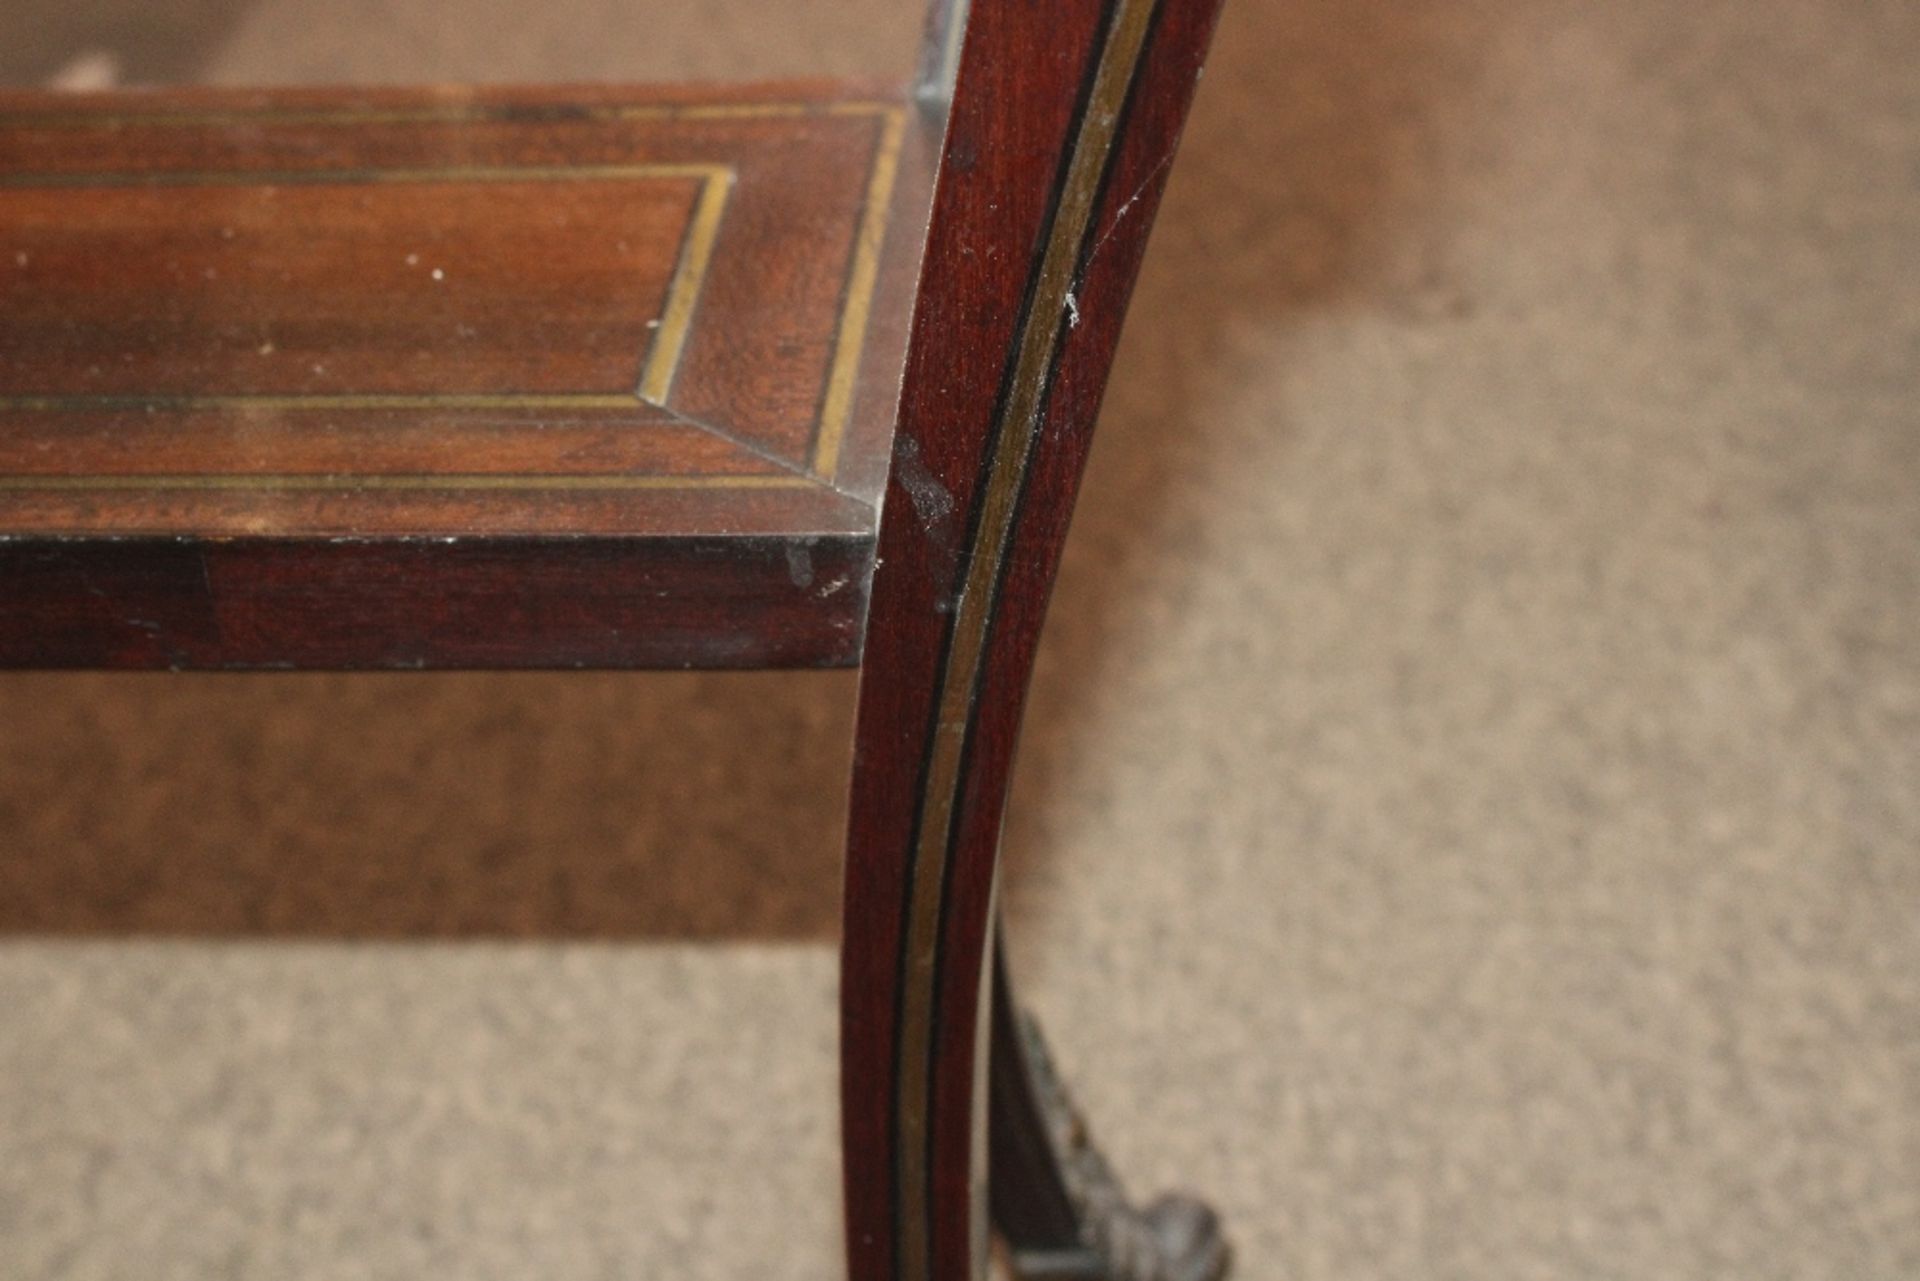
454	318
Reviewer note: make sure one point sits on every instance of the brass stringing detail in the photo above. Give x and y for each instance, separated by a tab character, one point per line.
664	351
663	354
837	406
1013	436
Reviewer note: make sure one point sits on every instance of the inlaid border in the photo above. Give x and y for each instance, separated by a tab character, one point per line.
663	349
661	361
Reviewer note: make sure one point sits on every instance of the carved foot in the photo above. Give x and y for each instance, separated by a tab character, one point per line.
1176	1238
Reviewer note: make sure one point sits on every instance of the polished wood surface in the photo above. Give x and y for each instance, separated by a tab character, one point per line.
611	378
1064	124
268	333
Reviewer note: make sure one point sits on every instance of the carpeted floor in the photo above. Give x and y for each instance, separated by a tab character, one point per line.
1470	815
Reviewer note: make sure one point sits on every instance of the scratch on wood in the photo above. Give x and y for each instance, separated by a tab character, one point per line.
1126	207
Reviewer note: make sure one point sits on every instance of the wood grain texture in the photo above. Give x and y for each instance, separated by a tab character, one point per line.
359	604
1062	131
450	319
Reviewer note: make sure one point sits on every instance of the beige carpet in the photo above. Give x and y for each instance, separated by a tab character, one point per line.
1470	819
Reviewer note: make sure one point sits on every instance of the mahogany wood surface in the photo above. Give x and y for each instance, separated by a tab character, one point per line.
384	368
611	378
1063	127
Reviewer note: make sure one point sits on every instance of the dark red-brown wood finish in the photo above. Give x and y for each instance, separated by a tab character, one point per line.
449	378
1063	125
620	378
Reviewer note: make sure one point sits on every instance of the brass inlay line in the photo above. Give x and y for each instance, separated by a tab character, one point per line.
354	177
663	351
456	113
1013	437
344	400
684	288
333	482
689	274
837	405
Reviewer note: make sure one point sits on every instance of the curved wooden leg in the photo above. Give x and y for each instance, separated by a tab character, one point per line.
1056	1200
912	1069
1063	124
